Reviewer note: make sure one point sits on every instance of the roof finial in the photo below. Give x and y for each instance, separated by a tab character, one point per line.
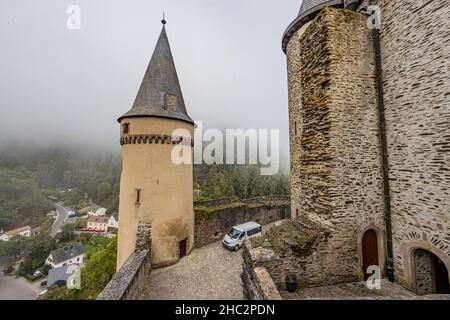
163	21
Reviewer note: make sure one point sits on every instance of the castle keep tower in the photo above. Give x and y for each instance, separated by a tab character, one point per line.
336	167
369	137
153	189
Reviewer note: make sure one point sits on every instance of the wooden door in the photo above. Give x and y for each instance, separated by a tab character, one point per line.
369	251
183	248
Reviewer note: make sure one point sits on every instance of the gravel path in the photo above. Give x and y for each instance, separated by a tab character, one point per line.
208	273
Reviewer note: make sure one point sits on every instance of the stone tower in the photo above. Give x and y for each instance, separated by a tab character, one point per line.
369	137
154	189
336	167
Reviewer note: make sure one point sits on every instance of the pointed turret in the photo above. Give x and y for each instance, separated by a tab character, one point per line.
160	93
155	189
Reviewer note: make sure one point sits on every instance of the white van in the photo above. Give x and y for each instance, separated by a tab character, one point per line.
234	239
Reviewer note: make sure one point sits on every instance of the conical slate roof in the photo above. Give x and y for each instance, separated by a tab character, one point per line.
160	79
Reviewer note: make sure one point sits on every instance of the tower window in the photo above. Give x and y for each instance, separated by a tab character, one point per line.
170	102
126	128
138	196
296	132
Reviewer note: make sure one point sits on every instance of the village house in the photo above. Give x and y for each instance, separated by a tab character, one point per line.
22	231
99	224
98	213
35	231
66	256
57	277
113	221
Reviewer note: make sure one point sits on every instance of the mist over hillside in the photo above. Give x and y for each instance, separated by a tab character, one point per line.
85	175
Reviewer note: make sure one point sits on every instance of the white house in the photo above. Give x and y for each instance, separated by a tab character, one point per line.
99	224
113	221
99	213
4	237
23	231
66	256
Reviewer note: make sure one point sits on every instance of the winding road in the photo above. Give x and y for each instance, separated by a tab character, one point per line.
61	216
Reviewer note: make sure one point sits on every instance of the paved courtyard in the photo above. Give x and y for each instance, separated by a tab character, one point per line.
208	273
358	291
12	288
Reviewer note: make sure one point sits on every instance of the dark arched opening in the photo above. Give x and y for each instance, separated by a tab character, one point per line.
431	273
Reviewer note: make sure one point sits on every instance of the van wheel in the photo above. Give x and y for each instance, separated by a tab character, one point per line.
236	248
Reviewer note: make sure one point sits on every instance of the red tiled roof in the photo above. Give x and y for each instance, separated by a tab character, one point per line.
36	230
17	231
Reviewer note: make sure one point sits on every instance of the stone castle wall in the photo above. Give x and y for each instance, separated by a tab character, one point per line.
131	280
424	269
298	247
415	45
335	149
213	219
257	281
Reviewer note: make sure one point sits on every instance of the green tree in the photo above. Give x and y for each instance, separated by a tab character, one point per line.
37	249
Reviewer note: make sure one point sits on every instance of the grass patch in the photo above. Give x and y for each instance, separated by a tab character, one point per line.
203	213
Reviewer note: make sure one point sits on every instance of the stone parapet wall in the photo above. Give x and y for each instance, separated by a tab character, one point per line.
131	280
213	219
217	202
267	200
257	282
303	249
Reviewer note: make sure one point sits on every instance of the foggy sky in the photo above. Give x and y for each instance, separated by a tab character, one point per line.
58	85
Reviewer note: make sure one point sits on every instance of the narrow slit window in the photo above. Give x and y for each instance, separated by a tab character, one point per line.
138	196
126	128
295	125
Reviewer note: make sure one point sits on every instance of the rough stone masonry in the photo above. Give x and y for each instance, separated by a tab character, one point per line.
335	162
336	154
415	41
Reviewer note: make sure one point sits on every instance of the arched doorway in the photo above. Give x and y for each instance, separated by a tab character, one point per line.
369	251
431	274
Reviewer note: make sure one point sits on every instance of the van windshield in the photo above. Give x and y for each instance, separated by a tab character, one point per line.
234	233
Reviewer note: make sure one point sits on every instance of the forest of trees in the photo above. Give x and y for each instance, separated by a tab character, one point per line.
244	181
29	174
21	200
